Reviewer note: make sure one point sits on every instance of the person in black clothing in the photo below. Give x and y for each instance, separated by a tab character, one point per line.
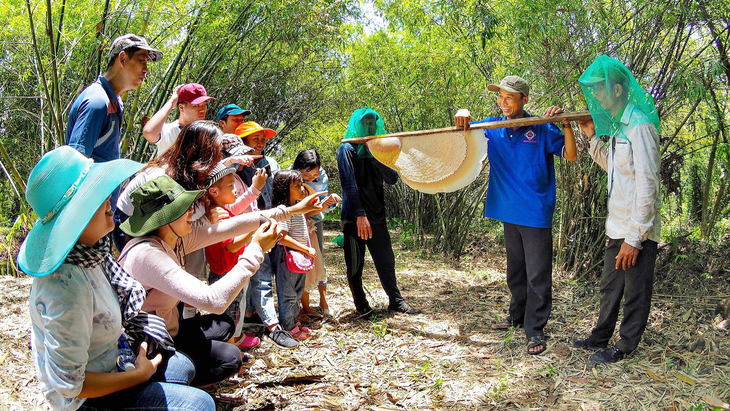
363	213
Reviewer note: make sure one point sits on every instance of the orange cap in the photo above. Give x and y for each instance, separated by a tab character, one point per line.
251	127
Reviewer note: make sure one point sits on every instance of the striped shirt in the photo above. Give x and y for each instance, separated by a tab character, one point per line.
296	227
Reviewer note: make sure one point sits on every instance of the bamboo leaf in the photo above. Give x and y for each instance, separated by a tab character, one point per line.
684	377
714	402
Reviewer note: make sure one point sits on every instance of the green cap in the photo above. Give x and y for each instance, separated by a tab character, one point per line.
513	84
158	202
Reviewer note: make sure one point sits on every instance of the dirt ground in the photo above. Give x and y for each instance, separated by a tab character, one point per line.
447	357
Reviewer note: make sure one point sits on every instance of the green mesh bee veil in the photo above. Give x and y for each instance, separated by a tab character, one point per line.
599	83
364	122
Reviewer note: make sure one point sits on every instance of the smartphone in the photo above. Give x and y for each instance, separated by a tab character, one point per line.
268	169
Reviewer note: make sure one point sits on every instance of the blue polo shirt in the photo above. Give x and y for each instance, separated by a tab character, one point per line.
521	173
94	122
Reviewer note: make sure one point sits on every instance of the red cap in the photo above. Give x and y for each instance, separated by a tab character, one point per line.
192	93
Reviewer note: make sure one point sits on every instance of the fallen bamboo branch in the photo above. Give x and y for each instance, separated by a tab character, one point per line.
693	297
293	380
518	122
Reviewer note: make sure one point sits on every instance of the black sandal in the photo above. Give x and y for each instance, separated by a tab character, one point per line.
536	341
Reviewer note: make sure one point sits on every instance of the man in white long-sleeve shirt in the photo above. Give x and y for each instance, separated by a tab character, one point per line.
626	114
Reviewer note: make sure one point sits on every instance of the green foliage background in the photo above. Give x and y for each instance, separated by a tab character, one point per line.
303	66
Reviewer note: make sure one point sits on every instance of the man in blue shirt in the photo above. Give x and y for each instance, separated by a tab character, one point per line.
95	118
521	194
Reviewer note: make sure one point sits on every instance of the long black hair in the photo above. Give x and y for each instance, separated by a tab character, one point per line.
280	186
307	160
195	153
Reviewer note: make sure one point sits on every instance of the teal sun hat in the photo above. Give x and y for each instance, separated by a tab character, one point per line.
157	203
65	189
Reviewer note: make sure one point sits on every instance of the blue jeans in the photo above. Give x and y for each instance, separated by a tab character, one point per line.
289	289
178	369
261	293
153	396
166	390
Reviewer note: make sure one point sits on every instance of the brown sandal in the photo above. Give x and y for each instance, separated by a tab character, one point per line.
505	324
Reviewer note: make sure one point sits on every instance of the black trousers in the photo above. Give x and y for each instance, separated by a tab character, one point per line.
203	339
381	250
635	286
529	275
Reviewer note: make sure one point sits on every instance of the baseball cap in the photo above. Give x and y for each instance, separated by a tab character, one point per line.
232	145
193	93
251	127
230	110
126	41
513	84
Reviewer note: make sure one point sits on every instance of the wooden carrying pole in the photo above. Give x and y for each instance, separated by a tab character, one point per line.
518	122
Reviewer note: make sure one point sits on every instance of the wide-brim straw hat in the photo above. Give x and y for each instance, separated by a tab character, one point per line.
65	189
158	202
434	163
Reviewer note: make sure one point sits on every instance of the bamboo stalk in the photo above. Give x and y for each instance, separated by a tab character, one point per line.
60	25
518	122
41	73
56	91
99	34
134	110
12	171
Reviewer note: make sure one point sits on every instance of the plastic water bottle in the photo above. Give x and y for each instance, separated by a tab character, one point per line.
125	356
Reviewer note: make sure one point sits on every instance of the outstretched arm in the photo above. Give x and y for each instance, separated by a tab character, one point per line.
296	245
239	242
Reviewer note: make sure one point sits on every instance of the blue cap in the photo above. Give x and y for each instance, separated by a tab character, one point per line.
231	109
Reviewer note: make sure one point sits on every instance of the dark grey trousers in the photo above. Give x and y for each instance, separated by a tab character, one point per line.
635	286
381	250
529	275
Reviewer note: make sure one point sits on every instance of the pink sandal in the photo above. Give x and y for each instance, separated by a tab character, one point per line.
300	333
248	341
